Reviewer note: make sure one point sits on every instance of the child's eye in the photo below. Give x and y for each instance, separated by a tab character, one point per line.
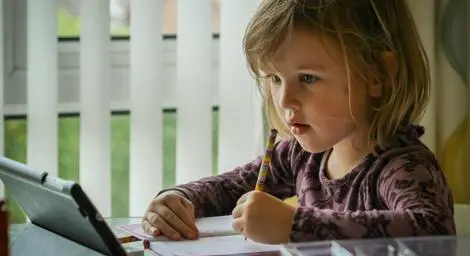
275	79
308	78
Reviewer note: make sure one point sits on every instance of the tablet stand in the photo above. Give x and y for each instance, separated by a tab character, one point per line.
37	241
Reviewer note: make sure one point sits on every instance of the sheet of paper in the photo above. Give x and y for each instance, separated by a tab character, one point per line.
211	226
211	246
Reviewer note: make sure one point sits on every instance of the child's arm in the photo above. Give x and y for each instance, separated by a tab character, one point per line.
218	195
412	188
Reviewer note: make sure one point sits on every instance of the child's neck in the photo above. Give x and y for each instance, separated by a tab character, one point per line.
345	156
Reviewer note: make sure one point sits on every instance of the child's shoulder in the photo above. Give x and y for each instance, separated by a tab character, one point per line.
407	147
408	156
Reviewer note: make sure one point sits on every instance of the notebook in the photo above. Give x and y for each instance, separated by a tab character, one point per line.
216	237
208	227
212	246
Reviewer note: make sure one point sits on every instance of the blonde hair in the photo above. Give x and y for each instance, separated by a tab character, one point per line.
364	30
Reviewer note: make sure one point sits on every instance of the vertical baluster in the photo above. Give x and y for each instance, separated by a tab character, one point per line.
95	116
42	91
240	109
145	103
194	106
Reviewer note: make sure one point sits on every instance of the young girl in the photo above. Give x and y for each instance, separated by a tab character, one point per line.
343	81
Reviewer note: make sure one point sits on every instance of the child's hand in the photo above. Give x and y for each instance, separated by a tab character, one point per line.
263	218
172	215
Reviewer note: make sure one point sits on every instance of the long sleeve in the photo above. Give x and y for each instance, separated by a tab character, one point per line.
217	195
415	201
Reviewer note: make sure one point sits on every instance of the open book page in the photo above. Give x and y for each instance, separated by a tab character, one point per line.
221	245
208	227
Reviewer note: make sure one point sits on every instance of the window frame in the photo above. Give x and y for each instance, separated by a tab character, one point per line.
8	37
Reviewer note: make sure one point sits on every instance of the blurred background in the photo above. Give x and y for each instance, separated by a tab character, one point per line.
132	96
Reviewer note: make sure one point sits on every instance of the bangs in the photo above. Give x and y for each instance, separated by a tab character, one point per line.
343	20
274	23
266	32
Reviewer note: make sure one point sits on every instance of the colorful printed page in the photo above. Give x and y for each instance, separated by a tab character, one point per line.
208	227
211	246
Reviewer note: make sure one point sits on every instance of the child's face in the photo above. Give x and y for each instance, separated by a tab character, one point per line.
310	86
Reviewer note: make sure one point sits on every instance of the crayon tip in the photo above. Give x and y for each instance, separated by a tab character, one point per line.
146	244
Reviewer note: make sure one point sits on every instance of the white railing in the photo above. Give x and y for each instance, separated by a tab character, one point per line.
192	75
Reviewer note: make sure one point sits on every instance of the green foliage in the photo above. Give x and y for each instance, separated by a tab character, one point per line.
68	25
69	144
15	148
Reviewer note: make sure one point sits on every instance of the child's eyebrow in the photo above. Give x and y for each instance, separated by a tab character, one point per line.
270	68
311	66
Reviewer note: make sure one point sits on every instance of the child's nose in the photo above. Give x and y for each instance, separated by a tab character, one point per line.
288	98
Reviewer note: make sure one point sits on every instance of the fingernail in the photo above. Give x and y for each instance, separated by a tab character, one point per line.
176	236
191	235
156	233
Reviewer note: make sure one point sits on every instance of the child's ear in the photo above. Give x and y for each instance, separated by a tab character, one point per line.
391	68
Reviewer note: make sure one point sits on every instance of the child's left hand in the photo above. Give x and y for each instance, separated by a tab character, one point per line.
263	218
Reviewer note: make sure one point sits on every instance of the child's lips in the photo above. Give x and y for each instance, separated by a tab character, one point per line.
298	128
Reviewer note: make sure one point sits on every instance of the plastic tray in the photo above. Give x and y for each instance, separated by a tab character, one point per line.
416	246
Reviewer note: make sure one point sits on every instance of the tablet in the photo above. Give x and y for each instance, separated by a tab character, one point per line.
59	206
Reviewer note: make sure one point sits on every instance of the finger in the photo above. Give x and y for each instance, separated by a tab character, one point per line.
191	214
238	211
189	209
238	224
172	215
243	198
163	226
149	228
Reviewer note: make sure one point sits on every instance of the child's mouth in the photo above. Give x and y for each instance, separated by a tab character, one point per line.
298	129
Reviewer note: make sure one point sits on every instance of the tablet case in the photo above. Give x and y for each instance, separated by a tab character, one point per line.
57	209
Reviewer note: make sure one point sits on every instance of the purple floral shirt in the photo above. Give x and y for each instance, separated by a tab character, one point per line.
399	192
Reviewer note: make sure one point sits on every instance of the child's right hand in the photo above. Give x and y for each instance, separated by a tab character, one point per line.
172	215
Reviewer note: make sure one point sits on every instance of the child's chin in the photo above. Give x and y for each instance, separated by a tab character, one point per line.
312	147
